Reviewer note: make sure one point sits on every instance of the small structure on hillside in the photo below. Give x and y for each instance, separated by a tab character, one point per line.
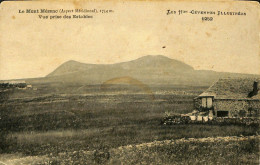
231	97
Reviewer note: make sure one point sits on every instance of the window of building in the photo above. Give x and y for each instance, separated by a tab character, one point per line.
204	102
222	113
207	102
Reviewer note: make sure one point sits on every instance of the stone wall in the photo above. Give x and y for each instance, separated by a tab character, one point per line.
233	106
236	108
254	107
178	119
255	104
197	103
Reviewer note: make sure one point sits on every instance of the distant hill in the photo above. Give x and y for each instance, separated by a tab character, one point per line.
148	69
146	63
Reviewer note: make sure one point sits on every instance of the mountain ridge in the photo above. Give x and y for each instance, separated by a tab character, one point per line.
148	69
148	61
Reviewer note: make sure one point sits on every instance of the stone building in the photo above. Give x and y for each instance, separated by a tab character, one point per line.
231	97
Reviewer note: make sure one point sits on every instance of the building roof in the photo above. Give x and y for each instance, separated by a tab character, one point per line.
232	88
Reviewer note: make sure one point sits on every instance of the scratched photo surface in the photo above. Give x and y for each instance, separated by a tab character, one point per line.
131	82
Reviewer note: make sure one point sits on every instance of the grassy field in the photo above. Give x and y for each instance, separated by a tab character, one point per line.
51	121
218	150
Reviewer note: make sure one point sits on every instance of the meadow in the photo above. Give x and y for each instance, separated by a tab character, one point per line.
53	120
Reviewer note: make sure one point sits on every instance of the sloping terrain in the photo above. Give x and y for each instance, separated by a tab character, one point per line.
211	150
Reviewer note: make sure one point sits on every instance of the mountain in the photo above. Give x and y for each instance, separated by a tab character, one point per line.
148	69
143	63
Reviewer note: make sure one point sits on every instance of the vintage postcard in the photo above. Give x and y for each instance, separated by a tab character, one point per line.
129	82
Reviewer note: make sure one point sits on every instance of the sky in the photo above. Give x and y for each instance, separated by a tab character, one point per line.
32	47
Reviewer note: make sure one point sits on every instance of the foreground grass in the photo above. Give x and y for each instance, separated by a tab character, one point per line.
41	143
218	150
73	126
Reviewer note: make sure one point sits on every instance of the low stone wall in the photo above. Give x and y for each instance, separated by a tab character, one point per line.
178	119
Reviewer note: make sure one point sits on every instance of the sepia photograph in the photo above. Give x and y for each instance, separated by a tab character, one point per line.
129	82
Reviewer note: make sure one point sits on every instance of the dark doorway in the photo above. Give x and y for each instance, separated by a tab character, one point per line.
222	113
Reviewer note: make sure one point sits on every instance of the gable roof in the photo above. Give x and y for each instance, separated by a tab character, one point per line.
232	88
